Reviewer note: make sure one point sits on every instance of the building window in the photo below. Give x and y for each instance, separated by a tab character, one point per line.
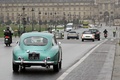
100	12
111	12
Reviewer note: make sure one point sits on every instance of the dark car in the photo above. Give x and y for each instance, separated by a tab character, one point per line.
73	34
96	32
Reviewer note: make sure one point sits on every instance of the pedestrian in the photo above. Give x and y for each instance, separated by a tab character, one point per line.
15	33
114	33
19	33
116	28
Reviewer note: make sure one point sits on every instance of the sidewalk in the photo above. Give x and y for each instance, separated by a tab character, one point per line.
98	65
116	68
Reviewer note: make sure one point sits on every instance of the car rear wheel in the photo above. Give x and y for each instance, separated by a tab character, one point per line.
60	65
15	68
82	40
77	38
56	67
68	38
93	40
98	39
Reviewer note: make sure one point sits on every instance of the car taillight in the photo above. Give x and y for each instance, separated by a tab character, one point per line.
82	36
93	36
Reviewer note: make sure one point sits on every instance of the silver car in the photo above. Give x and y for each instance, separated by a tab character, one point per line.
88	35
73	34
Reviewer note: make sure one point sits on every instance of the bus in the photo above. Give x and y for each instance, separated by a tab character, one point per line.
85	24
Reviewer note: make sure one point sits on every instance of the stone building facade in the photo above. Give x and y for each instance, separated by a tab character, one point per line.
99	10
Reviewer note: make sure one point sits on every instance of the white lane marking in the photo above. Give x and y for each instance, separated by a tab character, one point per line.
79	62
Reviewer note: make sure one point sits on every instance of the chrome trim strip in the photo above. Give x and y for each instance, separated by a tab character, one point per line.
32	62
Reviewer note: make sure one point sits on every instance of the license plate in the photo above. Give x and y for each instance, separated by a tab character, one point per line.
87	36
33	56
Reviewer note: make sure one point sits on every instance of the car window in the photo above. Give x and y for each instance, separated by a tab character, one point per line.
93	30
87	32
35	41
72	32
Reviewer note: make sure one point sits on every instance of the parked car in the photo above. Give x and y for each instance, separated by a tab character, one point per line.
87	35
73	34
39	49
96	32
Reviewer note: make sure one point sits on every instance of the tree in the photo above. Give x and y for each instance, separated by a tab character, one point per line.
35	22
40	22
18	22
45	22
8	22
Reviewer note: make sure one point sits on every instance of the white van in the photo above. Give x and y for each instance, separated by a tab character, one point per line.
69	27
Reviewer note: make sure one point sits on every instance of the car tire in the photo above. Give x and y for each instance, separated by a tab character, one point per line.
82	40
56	67
98	39
68	38
93	40
15	67
60	65
77	38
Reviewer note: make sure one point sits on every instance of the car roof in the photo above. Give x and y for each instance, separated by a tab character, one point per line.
93	28
87	32
36	34
72	31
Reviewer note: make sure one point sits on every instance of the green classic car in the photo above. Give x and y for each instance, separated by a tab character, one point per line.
37	49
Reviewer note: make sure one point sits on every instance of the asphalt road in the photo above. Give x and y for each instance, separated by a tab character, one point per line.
73	50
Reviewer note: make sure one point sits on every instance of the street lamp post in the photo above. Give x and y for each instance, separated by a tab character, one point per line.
64	21
55	21
19	26
109	21
32	19
39	21
23	19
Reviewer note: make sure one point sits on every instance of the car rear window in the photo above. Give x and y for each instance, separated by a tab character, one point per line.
93	30
35	41
72	32
87	32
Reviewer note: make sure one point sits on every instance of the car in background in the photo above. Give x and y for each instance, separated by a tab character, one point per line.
69	27
96	32
59	34
88	35
37	49
73	34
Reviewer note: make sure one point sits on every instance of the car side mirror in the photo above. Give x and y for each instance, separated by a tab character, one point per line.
17	42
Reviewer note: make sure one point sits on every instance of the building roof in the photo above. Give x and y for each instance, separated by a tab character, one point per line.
45	1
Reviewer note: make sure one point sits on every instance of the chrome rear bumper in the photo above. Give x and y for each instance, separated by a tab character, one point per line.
34	62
